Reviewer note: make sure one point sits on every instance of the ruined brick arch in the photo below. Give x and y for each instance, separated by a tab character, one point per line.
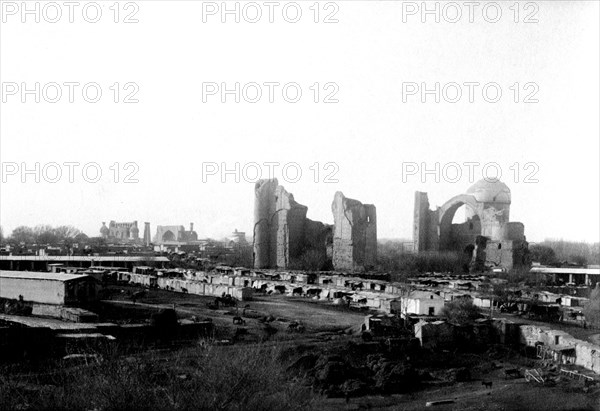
446	215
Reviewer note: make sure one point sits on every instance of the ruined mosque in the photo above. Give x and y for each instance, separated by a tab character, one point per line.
284	236
487	235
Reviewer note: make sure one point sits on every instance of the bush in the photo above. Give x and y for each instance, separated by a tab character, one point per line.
591	311
311	260
441	262
224	378
574	252
542	254
461	311
392	258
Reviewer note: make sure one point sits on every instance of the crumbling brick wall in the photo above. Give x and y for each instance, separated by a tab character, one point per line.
289	227
282	233
354	234
264	212
487	210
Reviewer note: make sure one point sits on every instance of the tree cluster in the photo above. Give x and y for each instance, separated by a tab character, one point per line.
592	308
461	311
46	234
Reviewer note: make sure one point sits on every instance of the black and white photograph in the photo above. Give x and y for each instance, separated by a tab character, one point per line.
300	205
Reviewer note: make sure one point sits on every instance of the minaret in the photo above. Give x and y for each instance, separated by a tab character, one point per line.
264	213
147	236
104	230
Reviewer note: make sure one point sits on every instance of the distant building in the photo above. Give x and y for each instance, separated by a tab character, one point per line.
45	263
121	232
147	234
174	235
238	238
419	303
214	250
48	288
570	275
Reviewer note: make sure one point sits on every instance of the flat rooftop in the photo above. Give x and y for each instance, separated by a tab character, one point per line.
565	270
32	275
67	258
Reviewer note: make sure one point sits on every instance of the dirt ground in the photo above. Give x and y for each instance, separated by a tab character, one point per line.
317	317
325	323
471	396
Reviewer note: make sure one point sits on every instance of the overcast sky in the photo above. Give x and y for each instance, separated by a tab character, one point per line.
370	61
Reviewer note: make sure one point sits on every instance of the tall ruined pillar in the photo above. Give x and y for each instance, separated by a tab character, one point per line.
290	225
264	218
147	235
421	222
354	234
370	256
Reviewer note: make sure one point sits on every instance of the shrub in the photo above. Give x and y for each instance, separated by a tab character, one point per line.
591	311
224	378
461	311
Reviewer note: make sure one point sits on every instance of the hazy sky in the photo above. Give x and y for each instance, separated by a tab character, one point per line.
372	60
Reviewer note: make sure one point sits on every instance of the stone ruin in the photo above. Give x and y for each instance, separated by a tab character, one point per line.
354	234
282	233
487	237
284	238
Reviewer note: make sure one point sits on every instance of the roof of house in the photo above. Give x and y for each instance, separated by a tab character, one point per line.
424	295
565	270
81	258
42	276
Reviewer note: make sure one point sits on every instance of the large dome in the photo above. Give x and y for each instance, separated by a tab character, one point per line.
486	191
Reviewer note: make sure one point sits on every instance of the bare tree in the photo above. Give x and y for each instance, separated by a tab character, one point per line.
23	234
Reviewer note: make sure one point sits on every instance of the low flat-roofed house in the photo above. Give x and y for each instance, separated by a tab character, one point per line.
420	303
437	334
482	302
48	288
45	263
570	301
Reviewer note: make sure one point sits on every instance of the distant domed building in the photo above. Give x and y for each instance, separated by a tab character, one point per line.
174	235
238	237
487	232
486	191
120	232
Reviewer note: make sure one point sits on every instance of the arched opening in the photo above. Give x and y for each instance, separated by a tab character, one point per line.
168	236
459	225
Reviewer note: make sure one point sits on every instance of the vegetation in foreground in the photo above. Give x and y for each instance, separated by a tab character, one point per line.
211	378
